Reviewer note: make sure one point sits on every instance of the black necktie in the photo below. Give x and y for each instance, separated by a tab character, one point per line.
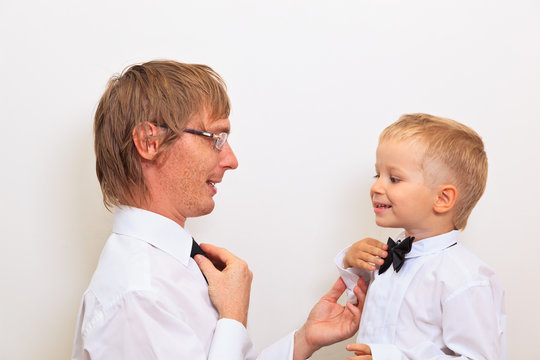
196	250
396	254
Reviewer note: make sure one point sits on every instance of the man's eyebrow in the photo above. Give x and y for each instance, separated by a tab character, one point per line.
220	129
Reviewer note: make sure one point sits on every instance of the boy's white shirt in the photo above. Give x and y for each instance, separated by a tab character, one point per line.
443	303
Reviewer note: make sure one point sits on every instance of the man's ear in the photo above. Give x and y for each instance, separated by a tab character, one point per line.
147	139
446	199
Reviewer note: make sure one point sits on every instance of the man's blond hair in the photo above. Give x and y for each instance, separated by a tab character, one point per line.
165	93
453	145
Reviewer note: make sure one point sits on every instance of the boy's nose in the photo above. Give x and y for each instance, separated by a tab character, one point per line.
376	187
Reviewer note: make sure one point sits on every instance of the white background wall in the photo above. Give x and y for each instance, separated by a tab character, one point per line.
312	84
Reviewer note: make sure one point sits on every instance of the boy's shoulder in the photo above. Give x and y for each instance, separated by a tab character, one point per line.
457	268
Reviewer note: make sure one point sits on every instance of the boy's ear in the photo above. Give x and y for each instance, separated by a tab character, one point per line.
147	140
446	199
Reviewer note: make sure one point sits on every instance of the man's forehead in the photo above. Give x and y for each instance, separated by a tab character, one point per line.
204	121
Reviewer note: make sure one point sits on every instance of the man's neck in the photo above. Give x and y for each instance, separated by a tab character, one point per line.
177	218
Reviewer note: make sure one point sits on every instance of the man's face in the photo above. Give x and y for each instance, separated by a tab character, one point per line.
401	196
190	170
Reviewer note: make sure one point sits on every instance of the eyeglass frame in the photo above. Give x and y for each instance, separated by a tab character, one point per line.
219	139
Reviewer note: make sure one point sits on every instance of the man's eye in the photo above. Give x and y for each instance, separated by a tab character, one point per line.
394	179
377	176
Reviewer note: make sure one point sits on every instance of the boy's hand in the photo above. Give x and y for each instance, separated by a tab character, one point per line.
362	351
364	253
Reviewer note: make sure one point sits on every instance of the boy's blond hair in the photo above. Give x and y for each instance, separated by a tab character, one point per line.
453	145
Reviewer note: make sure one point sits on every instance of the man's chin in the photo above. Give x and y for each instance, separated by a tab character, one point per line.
207	209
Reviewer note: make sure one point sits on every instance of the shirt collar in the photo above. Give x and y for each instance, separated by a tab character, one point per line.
431	245
155	229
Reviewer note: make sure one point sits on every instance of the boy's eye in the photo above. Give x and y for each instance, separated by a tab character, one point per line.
377	176
394	179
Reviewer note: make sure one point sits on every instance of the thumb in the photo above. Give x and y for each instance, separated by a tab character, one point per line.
207	268
336	290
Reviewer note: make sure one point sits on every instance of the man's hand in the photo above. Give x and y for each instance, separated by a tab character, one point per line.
364	253
329	322
362	351
229	287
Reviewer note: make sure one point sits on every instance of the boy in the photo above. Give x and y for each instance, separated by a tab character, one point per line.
430	297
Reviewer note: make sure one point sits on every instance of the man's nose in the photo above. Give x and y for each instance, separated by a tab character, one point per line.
228	159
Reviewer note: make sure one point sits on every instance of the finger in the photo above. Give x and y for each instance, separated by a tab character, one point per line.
378	251
218	254
207	268
365	349
376	243
370	257
359	349
361	264
360	297
355	260
336	291
355	312
353	347
373	249
362	284
369	253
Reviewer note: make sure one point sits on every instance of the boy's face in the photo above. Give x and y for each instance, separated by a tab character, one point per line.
401	196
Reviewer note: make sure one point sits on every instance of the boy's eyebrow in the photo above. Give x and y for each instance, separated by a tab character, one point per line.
391	168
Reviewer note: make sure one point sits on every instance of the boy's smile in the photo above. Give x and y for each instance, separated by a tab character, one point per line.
379	207
401	196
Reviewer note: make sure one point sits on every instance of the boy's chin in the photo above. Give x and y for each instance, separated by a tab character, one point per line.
386	224
383	223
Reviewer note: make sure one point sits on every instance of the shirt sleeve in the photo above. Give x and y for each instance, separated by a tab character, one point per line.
350	276
280	350
139	327
231	331
472	321
472	328
231	341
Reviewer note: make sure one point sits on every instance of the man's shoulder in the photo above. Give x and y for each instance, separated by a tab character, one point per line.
124	266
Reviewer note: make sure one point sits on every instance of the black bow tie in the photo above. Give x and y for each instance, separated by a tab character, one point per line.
396	254
196	249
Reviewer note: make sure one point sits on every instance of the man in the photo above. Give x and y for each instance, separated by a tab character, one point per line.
161	147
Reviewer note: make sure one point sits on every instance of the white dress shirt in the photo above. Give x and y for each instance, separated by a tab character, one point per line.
444	303
148	300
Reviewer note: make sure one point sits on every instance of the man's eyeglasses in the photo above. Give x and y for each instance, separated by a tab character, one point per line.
219	139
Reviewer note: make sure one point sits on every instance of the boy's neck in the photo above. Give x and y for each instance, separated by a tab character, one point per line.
427	233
